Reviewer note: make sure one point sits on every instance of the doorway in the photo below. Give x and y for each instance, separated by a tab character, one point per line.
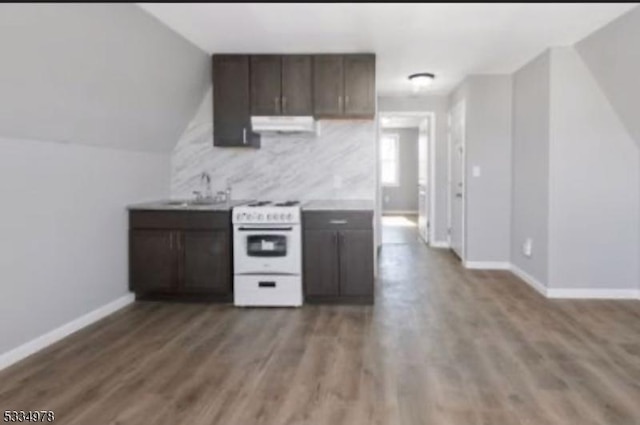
406	173
457	185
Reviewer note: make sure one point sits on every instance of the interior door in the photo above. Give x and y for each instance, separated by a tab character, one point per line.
423	181
457	178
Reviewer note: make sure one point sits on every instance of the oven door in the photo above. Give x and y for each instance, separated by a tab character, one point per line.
264	249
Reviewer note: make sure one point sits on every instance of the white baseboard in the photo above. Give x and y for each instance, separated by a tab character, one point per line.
530	280
43	341
487	265
439	244
594	294
576	293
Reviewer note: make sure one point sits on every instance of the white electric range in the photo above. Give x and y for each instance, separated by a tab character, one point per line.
267	249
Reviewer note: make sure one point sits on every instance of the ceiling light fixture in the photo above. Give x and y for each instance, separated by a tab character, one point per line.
421	80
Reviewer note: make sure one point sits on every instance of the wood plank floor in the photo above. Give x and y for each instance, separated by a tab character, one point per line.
442	345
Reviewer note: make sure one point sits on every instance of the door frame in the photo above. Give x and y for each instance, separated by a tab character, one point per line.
431	149
463	232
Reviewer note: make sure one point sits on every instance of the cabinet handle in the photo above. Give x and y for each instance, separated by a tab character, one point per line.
275	103
338	221
244	136
171	241
339	102
284	104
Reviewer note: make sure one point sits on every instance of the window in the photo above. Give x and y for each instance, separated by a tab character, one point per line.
389	159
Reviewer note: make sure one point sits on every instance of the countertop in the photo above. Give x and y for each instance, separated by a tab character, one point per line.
338	205
164	205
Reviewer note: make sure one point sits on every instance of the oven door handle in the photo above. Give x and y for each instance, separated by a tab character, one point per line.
265	229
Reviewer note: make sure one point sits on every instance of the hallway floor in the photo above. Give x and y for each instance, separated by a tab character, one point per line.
442	345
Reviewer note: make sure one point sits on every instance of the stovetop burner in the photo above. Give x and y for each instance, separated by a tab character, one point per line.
270	203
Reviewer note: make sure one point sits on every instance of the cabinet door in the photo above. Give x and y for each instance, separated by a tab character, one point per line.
231	102
153	258
206	262
328	85
266	85
359	85
321	266
356	262
297	85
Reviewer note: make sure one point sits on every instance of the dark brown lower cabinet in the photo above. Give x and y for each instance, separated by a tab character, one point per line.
206	262
153	260
180	255
338	257
321	263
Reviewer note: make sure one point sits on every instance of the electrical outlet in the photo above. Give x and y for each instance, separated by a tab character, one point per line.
527	247
475	171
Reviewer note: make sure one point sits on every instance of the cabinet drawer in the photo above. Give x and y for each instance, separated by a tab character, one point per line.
272	291
338	220
179	220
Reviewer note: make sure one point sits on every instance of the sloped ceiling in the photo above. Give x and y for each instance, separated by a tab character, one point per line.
613	57
452	40
98	74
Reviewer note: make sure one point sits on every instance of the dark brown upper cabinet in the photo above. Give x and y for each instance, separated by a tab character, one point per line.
266	85
297	85
359	85
232	102
281	85
344	86
328	85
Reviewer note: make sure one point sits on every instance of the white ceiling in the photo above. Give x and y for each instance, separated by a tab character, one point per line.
450	40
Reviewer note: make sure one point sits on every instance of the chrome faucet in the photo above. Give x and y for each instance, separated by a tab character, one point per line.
206	179
228	190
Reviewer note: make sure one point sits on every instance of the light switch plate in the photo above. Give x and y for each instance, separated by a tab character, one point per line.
527	247
475	171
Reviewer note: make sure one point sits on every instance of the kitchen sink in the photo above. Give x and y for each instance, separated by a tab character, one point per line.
194	202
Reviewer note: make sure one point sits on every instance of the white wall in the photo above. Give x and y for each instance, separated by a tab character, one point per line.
613	57
439	106
104	74
63	250
594	203
530	166
404	197
488	146
88	93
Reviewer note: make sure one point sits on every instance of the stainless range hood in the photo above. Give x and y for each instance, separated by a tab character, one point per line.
281	124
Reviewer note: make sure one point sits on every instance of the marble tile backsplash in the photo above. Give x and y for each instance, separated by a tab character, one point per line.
339	163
